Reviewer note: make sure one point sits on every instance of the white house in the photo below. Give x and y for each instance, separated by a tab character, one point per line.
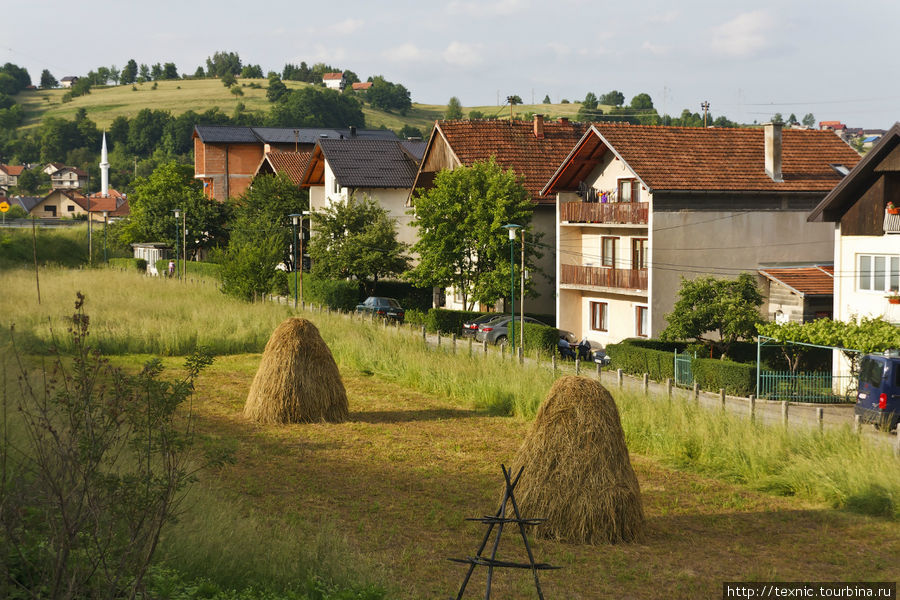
334	81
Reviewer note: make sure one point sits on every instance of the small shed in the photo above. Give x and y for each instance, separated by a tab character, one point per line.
798	294
152	252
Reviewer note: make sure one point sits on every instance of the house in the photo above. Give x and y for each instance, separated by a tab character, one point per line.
52	168
68	178
292	164
866	234
361	86
383	170
114	204
334	81
797	294
68	82
26	202
61	203
533	149
226	157
9	175
641	207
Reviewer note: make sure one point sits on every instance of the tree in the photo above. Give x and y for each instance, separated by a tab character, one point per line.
454	109
169	187
252	72
20	76
777	118
408	131
221	63
129	72
642	102
809	120
156	72
144	73
726	308
169	71
588	110
475	114
350	77
792	119
32	181
547	100
389	96
199	73
48	81
357	239
514	99
590	101
461	240
115	74
613	98
228	80
316	107
145	130
276	89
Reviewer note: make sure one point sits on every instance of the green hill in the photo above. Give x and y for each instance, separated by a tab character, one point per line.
104	104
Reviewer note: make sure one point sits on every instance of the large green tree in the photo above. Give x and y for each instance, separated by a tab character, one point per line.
48	81
716	312
223	62
462	242
129	72
388	96
172	186
315	107
454	109
356	238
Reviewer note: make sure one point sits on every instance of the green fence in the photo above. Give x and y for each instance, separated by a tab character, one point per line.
821	387
684	374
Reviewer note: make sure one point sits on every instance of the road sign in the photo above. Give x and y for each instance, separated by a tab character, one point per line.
4	206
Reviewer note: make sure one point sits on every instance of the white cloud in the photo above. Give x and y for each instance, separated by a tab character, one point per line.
407	52
345	27
745	36
666	17
480	9
655	49
463	55
560	49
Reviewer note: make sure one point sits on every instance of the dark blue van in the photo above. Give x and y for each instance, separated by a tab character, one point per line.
878	396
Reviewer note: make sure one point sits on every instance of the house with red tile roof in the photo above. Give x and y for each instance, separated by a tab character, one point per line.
9	176
114	205
641	207
361	86
798	294
533	150
334	81
292	164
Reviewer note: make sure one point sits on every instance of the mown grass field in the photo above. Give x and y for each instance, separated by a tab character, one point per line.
177	96
383	497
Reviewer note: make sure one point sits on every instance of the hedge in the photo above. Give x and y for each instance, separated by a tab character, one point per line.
713	374
540	337
449	321
338	294
194	268
634	359
129	264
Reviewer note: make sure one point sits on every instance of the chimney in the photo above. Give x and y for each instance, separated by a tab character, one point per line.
539	126
773	151
564	120
267	148
353	131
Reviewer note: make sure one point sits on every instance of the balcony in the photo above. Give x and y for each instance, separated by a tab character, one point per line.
624	279
631	213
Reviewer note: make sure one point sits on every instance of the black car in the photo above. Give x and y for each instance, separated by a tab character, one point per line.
382	307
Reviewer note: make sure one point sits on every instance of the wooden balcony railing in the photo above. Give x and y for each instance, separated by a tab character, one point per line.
629	279
598	212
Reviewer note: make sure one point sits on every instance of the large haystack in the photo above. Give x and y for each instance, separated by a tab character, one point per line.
577	472
298	380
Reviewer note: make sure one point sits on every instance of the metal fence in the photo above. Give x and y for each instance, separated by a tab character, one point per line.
817	387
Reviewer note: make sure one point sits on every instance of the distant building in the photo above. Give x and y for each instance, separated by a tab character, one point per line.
334	81
68	82
361	86
9	175
68	178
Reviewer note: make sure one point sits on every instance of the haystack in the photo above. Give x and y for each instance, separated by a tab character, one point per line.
298	380
577	472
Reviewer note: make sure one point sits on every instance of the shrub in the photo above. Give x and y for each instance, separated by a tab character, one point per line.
448	321
128	264
714	374
338	294
540	337
194	268
633	358
415	316
409	296
141	264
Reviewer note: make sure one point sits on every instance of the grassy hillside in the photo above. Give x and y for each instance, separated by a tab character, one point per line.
177	96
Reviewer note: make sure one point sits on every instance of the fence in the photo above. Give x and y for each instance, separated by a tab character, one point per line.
818	387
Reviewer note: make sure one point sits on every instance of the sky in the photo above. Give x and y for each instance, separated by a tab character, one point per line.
749	60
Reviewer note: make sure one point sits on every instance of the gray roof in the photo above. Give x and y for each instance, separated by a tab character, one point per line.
361	163
416	149
228	134
26	202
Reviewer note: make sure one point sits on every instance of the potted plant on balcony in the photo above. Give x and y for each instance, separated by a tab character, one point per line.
891	209
893	297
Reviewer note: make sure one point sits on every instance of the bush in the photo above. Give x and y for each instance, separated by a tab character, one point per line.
336	294
128	264
713	374
194	268
448	321
415	316
141	264
540	337
633	357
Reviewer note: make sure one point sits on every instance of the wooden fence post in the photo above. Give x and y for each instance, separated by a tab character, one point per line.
471	341
646	383
696	392
752	407
857	426
424	338
722	397
553	361
784	412
669	387
577	366
619	378
484	347
599	371
439	338
820	418
453	337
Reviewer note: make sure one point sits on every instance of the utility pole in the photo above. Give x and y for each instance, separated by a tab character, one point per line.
705	106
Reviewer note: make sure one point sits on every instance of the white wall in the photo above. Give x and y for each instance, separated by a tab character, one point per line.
849	300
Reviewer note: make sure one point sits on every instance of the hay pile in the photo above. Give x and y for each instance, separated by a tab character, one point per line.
577	472
298	380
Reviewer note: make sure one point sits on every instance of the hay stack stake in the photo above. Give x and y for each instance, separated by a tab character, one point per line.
578	473
297	380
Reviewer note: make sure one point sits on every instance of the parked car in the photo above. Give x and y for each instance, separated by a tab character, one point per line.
470	328
496	331
878	393
382	307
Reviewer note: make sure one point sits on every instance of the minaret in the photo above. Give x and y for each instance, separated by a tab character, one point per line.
104	170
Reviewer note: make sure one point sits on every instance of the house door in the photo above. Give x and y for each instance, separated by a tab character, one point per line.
639	253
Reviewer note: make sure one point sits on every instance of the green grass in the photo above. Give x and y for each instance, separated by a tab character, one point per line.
60	246
104	104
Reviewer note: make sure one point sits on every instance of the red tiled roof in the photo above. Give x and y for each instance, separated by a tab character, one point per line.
328	76
514	146
14	170
292	164
715	159
809	281
362	85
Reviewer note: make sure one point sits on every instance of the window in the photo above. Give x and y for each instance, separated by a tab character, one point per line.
639	253
629	190
335	186
608	251
70	208
641	324
878	272
599	316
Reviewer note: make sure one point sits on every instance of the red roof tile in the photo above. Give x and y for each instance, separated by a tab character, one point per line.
14	170
292	164
332	76
362	85
809	281
514	146
720	159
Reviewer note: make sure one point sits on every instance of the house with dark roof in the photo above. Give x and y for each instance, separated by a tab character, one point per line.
863	213
533	150
68	178
641	207
226	157
797	294
383	170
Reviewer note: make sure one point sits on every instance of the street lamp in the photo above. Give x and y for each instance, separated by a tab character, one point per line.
177	214
295	217
105	222
306	213
511	228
